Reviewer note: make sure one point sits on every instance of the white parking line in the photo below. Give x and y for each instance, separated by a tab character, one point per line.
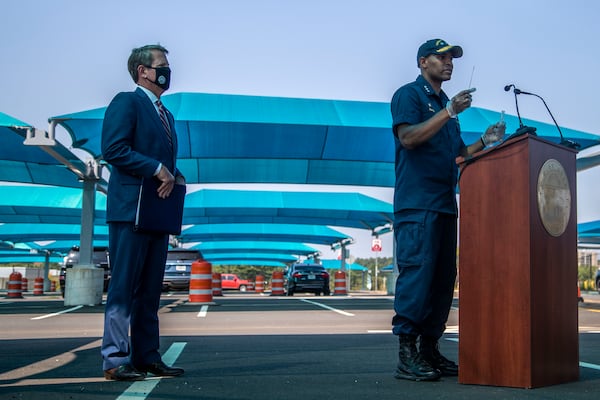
141	389
203	311
581	363
347	314
56	313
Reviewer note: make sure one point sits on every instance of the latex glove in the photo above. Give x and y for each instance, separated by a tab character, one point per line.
493	133
459	103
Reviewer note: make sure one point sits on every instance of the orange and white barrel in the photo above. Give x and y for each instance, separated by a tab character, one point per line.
201	282
38	286
277	283
340	283
259	286
53	285
217	290
24	284
15	286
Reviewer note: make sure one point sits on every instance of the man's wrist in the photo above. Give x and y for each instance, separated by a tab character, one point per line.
450	110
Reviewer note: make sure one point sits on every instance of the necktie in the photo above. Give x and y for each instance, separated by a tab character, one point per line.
163	118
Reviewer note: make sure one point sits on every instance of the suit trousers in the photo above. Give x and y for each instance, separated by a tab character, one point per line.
137	262
426	258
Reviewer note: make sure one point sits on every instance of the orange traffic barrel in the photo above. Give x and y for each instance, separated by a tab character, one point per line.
52	286
38	286
24	284
201	282
15	287
277	283
340	283
259	286
217	290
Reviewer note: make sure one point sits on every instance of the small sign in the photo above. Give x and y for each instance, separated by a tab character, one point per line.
376	245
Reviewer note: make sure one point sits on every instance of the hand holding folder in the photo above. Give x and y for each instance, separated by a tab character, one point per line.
156	215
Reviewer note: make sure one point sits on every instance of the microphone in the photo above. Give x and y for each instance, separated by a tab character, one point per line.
522	128
565	142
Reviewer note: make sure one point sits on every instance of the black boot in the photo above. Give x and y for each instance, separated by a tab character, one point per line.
410	364
429	350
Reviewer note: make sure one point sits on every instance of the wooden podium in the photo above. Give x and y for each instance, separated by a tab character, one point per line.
518	319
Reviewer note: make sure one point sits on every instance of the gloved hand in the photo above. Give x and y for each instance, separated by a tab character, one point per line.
459	103
493	133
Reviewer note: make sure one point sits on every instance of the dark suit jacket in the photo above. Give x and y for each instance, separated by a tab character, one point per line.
134	142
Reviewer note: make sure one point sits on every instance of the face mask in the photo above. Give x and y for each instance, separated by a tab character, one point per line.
163	77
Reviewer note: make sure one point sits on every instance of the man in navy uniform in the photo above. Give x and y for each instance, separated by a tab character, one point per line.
139	142
427	142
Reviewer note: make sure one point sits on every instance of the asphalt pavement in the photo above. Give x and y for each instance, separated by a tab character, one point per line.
249	347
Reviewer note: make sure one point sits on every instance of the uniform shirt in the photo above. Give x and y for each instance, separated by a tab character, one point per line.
426	176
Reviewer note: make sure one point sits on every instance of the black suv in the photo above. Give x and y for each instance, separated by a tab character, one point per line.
307	278
178	268
99	258
598	280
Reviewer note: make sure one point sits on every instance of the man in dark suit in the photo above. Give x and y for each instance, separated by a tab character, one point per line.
139	142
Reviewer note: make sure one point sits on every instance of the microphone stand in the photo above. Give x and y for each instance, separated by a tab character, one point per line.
522	128
564	142
527	129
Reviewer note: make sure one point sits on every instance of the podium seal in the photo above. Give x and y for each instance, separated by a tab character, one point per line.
554	197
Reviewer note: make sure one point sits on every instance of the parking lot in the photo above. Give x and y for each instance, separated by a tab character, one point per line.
250	346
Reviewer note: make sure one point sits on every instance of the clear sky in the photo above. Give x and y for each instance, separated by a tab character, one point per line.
64	56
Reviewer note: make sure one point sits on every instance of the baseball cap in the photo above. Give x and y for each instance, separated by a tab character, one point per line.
438	46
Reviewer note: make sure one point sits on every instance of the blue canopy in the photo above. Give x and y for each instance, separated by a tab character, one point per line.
337	264
588	234
24	232
257	258
254	247
314	208
253	139
314	234
261	263
45	204
31	164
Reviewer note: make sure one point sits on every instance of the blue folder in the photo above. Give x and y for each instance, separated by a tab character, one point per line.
156	215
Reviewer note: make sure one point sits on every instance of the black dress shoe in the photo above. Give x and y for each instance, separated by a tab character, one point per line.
124	372
161	369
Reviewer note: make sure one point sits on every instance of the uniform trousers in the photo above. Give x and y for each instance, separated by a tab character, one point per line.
426	260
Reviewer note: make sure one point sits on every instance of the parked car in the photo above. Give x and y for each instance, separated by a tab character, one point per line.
99	258
232	281
178	268
307	278
598	280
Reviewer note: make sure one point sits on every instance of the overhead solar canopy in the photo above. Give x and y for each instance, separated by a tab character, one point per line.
312	234
317	208
254	247
336	264
254	257
474	121
46	205
262	263
252	139
31	164
18	256
588	161
24	232
51	204
588	233
61	246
